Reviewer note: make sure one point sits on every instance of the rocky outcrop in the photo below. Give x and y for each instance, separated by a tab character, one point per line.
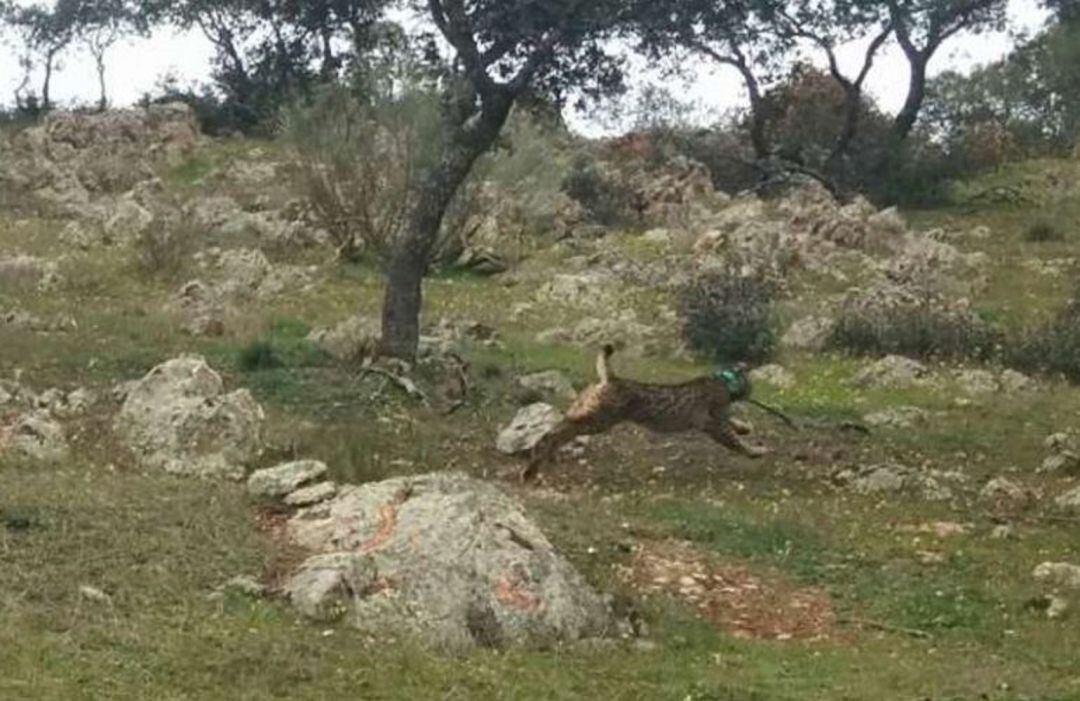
72	159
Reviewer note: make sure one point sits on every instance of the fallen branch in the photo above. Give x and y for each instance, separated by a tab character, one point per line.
404	383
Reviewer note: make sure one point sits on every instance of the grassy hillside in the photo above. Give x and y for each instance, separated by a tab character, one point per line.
922	600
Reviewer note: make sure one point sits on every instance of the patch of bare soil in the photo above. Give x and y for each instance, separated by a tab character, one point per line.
745	603
283	557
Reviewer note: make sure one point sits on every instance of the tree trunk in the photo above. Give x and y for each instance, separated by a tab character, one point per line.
46	103
850	128
432	196
905	119
758	118
103	102
328	70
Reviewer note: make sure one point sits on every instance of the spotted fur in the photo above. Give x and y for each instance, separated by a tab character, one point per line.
702	404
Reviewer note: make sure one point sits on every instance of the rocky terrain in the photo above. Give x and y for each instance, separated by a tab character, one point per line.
206	484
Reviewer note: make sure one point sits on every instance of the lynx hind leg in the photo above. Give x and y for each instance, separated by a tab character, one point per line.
567	430
544	451
723	431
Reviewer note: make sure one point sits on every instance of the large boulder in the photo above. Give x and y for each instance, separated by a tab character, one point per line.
179	418
529	425
443	558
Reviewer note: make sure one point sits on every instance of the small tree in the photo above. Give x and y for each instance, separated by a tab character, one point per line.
266	51
502	50
828	24
742	36
47	33
100	24
922	27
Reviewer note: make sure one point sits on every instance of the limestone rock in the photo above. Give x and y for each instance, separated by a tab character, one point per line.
1058	574
201	310
809	334
895	478
33	435
350	341
314	494
1006	494
977	381
897	417
180	419
286	478
775	375
1013	382
529	425
1069	501
891	371
549	385
443	558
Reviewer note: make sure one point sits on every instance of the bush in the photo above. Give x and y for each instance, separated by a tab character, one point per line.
286	345
925	327
1050	349
605	198
164	249
729	316
1041	231
259	355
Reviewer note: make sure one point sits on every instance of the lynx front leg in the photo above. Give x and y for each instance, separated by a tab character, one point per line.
724	432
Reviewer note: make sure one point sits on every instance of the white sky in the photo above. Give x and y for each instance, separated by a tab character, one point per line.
134	66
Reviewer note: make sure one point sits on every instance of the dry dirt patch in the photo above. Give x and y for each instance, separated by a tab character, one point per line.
744	603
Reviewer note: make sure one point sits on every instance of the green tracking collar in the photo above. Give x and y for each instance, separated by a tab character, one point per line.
734	380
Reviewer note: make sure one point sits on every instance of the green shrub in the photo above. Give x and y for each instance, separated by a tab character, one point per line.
925	327
729	316
286	345
1052	348
1041	231
259	355
605	199
164	249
